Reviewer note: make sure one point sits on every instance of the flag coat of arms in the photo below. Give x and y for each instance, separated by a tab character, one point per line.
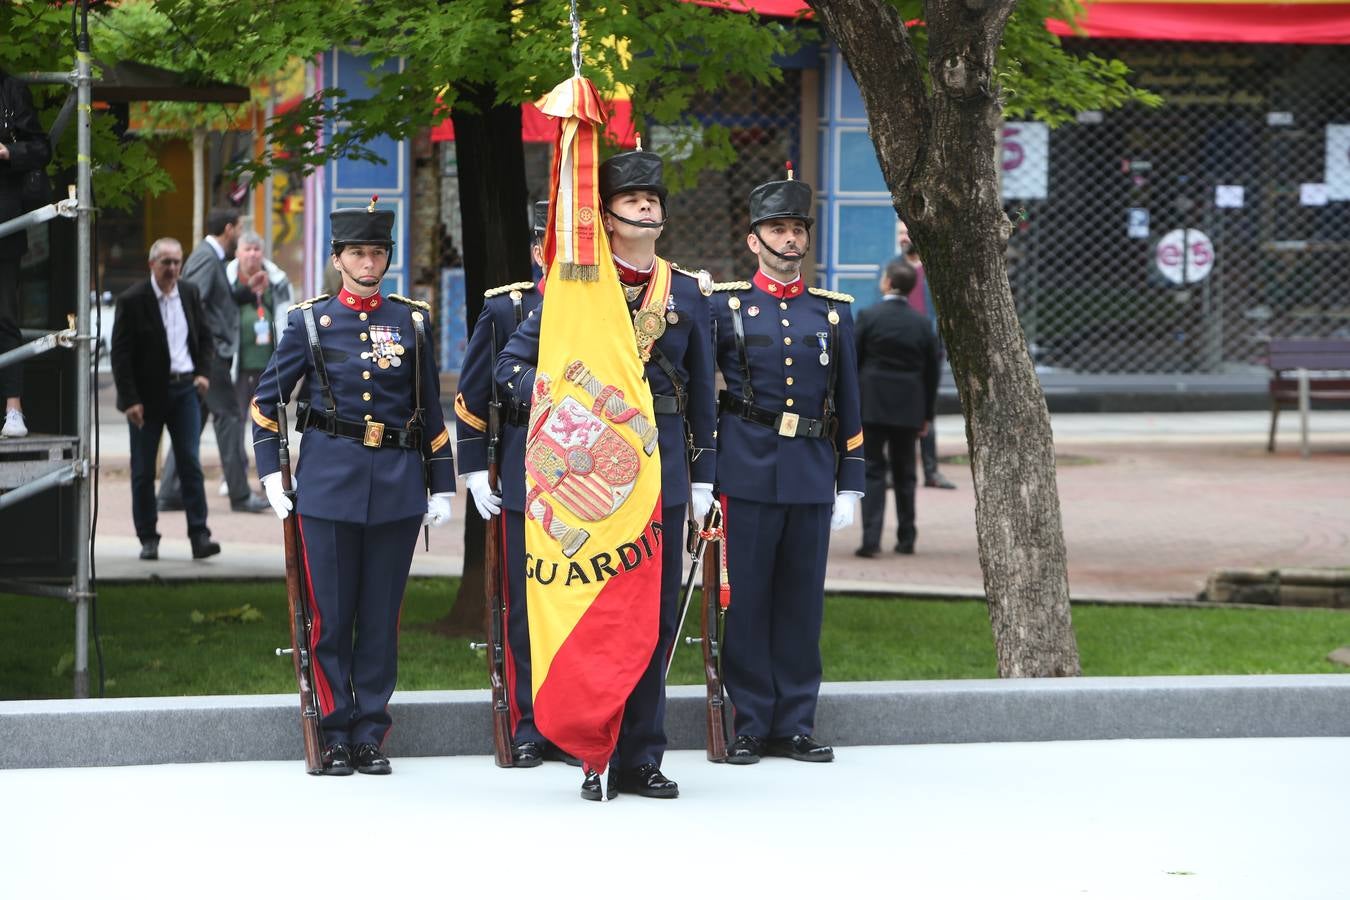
593	469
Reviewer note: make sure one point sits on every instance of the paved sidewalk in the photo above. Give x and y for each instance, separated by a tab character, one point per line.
1152	503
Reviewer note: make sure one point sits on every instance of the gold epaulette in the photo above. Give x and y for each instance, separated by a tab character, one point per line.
830	295
731	286
516	286
306	304
408	301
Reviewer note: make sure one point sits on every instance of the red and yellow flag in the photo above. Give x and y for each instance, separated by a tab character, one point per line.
592	468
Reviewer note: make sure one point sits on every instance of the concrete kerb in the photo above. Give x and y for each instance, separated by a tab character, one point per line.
146	731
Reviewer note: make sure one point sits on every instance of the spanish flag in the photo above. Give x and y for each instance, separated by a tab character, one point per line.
592	468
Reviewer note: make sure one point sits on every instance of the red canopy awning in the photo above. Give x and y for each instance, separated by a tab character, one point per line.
1241	23
1297	22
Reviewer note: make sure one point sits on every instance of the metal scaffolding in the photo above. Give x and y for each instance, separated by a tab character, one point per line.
77	469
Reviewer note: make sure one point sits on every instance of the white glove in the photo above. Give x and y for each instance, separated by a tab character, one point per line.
701	499
281	504
438	509
844	503
488	503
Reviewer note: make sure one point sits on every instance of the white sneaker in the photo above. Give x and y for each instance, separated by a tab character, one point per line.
223	490
14	424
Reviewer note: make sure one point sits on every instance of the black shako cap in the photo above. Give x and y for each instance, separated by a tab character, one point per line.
540	223
789	199
362	225
636	170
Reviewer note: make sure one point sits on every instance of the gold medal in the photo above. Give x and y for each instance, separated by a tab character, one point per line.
382	363
399	350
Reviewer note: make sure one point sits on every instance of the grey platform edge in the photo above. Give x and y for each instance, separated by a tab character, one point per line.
145	731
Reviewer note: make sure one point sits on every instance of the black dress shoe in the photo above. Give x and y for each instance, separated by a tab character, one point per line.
801	747
938	480
337	760
203	546
370	761
590	786
905	549
252	503
527	755
745	750
647	781
867	552
150	549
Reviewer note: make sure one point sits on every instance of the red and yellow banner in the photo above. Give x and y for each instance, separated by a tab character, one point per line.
592	467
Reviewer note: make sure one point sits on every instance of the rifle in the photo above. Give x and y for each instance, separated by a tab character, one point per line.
296	591
494	606
716	598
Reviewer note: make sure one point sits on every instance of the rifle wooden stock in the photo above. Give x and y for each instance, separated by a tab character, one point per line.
712	617
296	591
494	616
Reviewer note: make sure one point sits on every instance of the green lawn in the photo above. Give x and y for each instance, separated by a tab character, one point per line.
161	640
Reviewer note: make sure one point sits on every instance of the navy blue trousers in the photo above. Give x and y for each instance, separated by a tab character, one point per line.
182	416
518	625
642	736
357	574
771	646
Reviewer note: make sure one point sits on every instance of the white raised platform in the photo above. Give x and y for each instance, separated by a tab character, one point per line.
1245	819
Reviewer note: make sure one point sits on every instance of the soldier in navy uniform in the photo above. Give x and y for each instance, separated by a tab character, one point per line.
504	308
679	369
790	468
375	465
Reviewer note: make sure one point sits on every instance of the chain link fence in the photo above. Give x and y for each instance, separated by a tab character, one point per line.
708	222
1183	238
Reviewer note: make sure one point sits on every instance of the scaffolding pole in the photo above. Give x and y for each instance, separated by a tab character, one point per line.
81	593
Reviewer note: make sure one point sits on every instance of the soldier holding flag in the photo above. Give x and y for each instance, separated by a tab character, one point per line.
375	465
611	444
790	468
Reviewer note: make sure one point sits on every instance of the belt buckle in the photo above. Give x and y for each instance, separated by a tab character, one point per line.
374	435
787	424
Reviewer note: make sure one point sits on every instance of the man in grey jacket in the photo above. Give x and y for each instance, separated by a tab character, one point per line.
220	303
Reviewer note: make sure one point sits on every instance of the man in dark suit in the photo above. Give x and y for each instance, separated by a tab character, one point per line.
160	358
220	302
898	370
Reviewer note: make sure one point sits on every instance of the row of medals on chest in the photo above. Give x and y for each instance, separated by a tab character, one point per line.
385	347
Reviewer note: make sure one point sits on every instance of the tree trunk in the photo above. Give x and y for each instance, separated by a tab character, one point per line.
494	205
938	150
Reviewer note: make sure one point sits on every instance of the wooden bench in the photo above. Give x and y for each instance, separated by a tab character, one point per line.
1303	370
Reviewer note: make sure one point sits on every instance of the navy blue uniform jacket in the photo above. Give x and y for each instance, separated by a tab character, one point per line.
784	337
475	393
340	478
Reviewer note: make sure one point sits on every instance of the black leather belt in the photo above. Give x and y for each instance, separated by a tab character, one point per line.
786	424
664	405
517	414
371	434
180	377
